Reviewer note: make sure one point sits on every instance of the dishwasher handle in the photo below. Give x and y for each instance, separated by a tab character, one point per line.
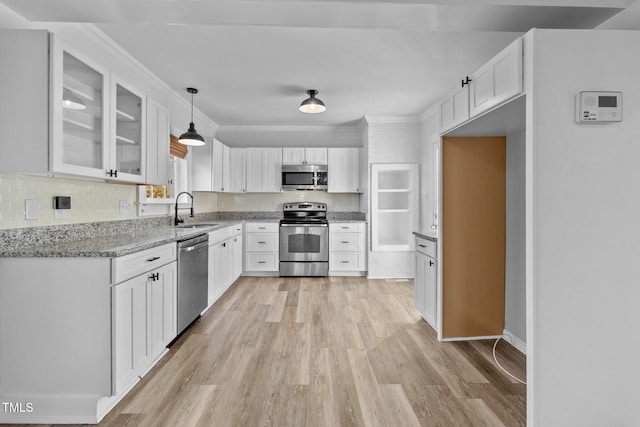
194	247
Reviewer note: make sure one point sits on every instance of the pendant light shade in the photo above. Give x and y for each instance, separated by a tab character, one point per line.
191	136
312	104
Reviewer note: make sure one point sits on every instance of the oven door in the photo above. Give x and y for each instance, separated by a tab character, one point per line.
304	242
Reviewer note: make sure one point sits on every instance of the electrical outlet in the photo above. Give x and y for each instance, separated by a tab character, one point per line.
125	206
220	204
31	209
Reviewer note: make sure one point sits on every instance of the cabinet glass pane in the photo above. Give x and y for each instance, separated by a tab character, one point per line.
393	180
81	114
128	132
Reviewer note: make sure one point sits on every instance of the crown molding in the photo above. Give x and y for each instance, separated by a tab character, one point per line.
392	119
282	128
430	112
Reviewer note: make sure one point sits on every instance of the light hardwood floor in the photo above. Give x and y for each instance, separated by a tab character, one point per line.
323	352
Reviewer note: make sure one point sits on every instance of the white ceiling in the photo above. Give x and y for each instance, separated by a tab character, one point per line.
252	61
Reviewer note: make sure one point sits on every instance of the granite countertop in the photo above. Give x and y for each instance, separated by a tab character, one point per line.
116	245
429	235
125	242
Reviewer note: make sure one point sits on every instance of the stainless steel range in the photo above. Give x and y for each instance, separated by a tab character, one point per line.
304	240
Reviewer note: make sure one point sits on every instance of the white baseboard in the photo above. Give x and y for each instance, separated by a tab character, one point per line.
516	342
487	337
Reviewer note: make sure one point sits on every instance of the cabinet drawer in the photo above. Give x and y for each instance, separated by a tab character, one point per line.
128	266
262	242
345	261
262	227
345	242
220	235
261	261
237	229
426	246
345	226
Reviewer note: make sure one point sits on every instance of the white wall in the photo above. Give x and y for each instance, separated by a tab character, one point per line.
392	141
430	135
583	232
515	287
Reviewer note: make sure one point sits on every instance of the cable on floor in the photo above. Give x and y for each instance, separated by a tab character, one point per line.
500	366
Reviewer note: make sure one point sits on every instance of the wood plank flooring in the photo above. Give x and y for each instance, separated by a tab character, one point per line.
323	352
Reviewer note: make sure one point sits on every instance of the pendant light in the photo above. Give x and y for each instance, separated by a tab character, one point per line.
191	137
312	105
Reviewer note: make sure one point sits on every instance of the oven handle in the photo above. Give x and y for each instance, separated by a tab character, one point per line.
304	225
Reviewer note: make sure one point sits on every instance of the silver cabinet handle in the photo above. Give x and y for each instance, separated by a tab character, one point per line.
262	262
344	242
345	262
262	243
153	259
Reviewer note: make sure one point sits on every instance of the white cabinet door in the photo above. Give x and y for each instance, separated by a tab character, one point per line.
497	81
130	350
344	170
316	155
218	166
237	257
201	166
162	295
454	108
293	155
127	144
157	143
226	167
419	282
264	170
237	168
214	272
80	127
430	292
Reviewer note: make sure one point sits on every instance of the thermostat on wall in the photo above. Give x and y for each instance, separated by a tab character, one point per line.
594	107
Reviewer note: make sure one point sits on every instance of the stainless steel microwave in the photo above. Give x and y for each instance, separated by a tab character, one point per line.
304	177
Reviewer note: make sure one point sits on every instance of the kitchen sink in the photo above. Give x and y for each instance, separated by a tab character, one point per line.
200	225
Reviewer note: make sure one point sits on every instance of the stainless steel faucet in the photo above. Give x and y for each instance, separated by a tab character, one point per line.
177	220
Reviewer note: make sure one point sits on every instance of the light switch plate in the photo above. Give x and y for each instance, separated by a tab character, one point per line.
125	206
31	209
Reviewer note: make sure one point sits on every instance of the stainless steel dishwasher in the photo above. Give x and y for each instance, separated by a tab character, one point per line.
193	276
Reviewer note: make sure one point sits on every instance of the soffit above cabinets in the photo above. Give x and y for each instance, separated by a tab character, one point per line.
254	60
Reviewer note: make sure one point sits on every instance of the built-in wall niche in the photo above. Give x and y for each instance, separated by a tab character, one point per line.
394	206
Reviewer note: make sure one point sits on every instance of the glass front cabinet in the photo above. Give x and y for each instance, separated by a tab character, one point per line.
97	121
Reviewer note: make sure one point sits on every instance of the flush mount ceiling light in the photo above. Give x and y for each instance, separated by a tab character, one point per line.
312	104
191	137
71	101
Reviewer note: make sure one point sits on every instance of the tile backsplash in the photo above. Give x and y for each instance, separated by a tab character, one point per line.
90	201
347	202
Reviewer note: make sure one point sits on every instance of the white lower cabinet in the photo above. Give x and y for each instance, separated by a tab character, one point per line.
223	260
425	291
347	248
144	322
262	253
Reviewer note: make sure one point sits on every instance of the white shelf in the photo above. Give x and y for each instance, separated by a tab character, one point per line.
394	190
78	88
123	117
123	140
393	210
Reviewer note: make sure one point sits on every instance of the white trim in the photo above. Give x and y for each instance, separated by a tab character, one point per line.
488	337
515	342
281	128
392	119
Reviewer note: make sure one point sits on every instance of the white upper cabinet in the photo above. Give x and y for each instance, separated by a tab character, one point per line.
304	156
264	170
497	81
79	110
454	108
218	165
344	170
127	147
157	143
237	168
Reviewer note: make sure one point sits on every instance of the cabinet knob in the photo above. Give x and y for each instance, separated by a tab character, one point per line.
466	81
112	173
430	263
224	245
